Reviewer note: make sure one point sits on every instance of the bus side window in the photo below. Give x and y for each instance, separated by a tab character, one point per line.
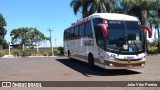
89	29
82	30
65	35
77	31
69	33
72	33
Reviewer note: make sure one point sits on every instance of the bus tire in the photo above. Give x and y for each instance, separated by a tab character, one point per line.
91	61
69	56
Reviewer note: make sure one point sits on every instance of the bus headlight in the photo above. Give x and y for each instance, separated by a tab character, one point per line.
111	65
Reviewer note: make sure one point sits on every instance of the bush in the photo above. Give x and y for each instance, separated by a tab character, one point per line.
16	53
50	53
56	52
61	50
27	52
152	50
2	53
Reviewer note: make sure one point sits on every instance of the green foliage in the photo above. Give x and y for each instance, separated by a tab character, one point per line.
28	36
27	52
3	31
56	52
88	7
2	53
153	47
61	50
16	53
50	53
33	52
152	50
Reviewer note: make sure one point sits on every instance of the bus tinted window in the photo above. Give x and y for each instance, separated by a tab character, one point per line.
116	25
65	35
133	25
69	34
97	21
82	30
72	33
88	29
77	31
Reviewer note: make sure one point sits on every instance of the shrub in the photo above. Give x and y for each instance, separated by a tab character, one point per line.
27	52
55	52
2	53
50	53
61	50
16	53
152	50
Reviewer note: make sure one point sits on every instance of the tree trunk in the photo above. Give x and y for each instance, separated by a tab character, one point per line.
85	14
143	21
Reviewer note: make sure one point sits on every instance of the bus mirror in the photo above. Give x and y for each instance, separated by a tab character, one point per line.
104	29
148	29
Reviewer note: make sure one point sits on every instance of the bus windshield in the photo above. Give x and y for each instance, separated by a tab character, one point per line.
124	37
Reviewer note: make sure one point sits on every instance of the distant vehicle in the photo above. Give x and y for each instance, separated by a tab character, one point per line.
107	40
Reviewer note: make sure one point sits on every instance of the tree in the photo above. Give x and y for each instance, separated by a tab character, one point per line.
27	36
101	6
157	22
3	31
88	7
82	6
36	37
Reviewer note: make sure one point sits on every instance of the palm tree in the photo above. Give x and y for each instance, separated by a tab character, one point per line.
141	5
88	7
101	6
81	5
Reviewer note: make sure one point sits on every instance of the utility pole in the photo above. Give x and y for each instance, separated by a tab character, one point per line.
55	43
50	31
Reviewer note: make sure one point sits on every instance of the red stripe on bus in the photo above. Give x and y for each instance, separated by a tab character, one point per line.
75	38
78	23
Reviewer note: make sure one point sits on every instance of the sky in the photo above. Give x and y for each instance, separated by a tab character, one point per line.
41	14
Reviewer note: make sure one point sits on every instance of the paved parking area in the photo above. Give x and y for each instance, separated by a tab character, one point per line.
61	69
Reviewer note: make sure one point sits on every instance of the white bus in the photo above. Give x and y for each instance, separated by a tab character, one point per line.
107	40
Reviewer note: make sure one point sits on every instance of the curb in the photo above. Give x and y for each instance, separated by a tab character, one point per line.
11	56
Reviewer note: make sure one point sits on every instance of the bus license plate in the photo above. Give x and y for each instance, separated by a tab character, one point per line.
129	66
130	58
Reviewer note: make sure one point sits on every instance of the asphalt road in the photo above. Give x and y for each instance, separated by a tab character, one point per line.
61	69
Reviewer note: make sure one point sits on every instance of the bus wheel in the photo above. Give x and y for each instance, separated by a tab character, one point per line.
91	61
69	56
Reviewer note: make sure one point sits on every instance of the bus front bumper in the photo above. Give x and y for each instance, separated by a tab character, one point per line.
124	65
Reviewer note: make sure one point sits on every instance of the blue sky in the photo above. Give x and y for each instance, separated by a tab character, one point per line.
42	14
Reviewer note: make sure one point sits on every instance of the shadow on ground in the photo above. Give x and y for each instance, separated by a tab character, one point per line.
87	71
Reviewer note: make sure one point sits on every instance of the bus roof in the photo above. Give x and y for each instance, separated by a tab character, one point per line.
108	16
78	23
113	16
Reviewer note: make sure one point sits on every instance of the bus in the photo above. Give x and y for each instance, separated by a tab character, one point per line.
107	40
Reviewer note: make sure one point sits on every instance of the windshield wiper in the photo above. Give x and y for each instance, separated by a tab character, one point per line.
136	47
125	40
